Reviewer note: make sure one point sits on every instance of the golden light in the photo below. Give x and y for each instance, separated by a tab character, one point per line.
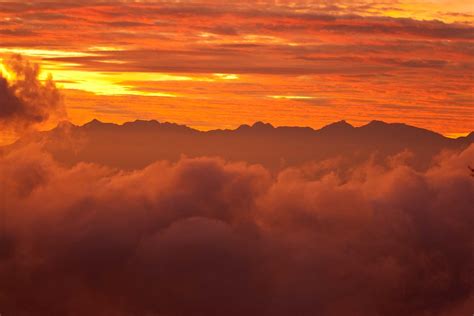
112	84
4	71
227	76
44	53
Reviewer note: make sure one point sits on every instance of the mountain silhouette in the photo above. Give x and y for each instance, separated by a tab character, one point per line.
139	143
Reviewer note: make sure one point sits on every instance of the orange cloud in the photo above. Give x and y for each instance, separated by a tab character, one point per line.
395	61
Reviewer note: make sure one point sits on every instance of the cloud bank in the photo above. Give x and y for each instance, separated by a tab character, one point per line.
26	101
206	237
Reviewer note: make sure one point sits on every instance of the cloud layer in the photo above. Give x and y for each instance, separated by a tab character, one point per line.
206	237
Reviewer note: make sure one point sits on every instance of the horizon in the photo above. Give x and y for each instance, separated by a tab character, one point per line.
257	122
5	141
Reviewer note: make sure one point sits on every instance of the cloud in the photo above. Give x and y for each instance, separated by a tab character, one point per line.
17	32
206	237
26	101
274	45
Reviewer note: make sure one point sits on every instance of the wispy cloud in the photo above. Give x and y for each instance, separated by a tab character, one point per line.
354	53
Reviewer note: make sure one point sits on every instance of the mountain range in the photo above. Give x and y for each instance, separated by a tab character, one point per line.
134	145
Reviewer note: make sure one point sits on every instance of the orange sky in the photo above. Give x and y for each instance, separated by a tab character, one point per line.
218	64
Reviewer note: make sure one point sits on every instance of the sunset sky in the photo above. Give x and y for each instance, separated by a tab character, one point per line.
218	64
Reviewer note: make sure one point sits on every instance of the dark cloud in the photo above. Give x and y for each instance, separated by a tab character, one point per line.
46	16
125	24
423	29
416	63
248	18
25	100
224	30
17	32
205	237
246	59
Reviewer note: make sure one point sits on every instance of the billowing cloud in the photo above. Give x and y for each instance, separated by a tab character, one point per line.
206	237
26	101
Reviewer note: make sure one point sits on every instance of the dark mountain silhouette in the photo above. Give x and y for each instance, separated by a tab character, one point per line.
137	144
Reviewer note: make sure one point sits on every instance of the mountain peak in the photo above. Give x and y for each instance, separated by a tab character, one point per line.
142	123
469	136
94	122
243	127
65	124
339	125
377	123
146	122
262	126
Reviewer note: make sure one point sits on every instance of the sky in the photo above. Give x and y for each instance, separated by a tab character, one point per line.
219	64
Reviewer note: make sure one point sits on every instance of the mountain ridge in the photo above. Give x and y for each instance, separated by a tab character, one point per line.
134	145
260	125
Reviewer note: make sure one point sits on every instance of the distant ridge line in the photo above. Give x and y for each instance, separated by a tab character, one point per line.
260	125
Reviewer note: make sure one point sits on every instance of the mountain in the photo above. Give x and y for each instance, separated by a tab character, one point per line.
137	144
